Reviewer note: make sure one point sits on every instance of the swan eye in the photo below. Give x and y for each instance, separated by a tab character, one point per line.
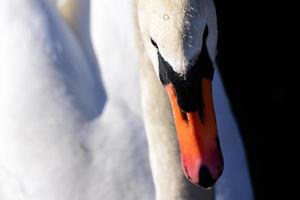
154	43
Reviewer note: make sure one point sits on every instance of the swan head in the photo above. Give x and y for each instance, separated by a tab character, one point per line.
176	35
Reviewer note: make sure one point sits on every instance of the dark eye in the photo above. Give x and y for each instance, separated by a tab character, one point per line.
153	43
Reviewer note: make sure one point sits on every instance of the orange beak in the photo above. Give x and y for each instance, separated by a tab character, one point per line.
200	151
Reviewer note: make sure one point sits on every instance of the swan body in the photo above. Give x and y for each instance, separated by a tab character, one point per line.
42	115
54	144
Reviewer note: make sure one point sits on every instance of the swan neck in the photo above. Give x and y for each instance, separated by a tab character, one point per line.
169	180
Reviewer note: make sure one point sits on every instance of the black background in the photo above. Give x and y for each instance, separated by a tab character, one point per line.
256	66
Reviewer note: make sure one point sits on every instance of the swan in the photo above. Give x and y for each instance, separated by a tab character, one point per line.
175	38
52	141
180	40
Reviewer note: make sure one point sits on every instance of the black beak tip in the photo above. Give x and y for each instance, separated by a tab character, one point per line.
205	178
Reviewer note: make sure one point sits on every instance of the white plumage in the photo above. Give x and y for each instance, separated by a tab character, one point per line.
62	136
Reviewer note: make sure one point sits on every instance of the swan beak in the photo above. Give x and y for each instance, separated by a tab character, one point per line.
201	156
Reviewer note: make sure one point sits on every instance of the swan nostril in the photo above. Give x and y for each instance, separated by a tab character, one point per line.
205	178
184	116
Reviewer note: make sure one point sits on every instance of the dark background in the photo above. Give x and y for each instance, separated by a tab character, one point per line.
256	67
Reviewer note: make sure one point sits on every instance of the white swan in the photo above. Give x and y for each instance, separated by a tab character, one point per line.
172	35
180	39
52	144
